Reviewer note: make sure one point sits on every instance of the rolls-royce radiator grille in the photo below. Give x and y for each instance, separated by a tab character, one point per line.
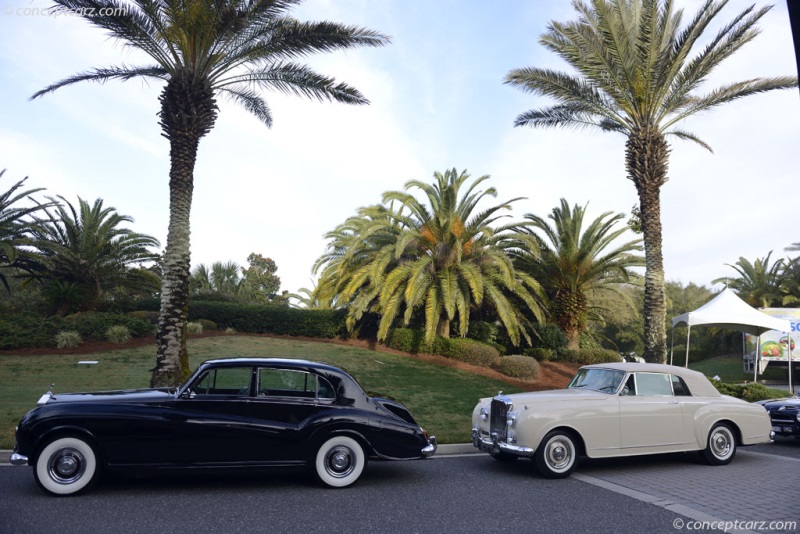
497	423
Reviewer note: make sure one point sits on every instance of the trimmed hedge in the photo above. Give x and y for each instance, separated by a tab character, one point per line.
750	392
589	356
261	319
23	331
461	349
518	366
541	354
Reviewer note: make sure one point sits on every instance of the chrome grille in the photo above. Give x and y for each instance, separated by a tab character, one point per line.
497	422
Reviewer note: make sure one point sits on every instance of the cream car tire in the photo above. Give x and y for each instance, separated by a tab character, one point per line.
557	455
340	462
66	466
721	445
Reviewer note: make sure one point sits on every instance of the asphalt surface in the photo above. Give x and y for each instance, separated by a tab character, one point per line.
457	491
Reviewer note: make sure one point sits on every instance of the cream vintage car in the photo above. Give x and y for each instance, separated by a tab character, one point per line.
618	409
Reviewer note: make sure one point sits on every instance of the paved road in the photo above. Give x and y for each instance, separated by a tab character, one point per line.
469	493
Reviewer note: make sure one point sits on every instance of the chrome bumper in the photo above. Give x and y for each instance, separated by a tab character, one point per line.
430	448
18	459
492	444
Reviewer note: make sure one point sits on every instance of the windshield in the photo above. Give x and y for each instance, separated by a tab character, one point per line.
604	380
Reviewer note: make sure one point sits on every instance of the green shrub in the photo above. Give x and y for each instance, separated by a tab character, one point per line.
149	316
540	353
472	352
207	325
408	340
26	330
94	325
194	328
549	337
264	319
230	330
589	356
68	339
483	331
518	366
118	334
750	392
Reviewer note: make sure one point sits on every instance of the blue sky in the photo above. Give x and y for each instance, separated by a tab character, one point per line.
438	102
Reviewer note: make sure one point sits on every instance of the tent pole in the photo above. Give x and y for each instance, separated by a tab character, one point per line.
756	358
672	345
688	333
789	346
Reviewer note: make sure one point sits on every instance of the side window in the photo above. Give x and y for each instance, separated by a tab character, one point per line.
325	390
286	383
653	384
679	387
224	381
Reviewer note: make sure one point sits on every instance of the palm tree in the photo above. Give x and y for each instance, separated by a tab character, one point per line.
443	259
574	264
84	252
222	278
202	49
635	76
15	227
758	283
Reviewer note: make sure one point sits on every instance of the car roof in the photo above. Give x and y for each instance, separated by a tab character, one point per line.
698	384
282	362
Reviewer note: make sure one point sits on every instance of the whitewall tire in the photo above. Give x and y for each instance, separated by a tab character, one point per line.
721	445
557	455
340	462
65	466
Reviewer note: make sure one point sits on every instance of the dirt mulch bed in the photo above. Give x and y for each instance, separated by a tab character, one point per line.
552	375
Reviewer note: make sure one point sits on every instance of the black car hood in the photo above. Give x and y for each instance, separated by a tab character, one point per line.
777	403
128	395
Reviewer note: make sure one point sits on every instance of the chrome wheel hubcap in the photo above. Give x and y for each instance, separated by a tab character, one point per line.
339	462
66	466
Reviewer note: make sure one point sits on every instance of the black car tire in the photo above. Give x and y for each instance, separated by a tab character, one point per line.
721	445
66	466
340	461
557	455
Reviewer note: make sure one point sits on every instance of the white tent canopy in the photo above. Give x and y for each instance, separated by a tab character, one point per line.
727	310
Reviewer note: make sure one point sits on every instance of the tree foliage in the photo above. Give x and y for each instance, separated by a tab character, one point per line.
438	258
639	72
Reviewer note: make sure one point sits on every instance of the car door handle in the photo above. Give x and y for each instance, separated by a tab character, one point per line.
674	402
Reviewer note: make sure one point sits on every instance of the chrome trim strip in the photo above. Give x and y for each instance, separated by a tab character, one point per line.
488	445
430	449
18	459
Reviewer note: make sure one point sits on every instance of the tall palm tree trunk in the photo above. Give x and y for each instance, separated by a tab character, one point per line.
646	161
188	112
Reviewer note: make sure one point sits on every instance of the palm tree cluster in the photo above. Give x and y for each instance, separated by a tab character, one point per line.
442	261
77	256
256	283
635	75
764	284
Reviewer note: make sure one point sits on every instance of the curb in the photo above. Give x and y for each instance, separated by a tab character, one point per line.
449	449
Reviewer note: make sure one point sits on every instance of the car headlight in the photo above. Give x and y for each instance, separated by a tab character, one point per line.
511	419
484	413
798	417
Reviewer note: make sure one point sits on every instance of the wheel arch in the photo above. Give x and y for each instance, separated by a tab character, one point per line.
576	436
68	431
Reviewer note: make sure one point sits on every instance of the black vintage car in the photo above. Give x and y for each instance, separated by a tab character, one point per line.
231	413
785	415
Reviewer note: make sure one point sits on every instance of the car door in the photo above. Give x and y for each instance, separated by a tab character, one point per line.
284	412
211	421
651	417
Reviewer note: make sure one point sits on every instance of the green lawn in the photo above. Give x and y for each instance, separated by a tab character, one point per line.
440	398
730	369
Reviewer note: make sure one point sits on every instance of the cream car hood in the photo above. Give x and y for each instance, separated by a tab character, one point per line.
555	395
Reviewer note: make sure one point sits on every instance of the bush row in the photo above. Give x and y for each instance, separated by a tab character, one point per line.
22	331
260	319
750	392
